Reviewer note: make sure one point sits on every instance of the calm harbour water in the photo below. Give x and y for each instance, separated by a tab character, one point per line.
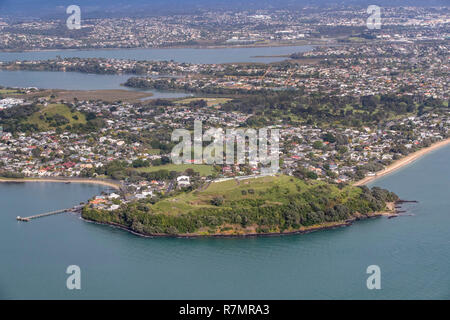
187	55
75	81
412	251
84	81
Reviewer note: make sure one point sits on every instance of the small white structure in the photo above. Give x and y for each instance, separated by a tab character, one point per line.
144	195
183	181
114	207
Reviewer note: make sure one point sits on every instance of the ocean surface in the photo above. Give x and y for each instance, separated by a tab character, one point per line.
187	55
413	251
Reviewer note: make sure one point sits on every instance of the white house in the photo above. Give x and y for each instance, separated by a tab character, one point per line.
183	181
113	196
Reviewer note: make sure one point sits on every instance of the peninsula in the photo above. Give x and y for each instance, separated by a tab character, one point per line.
271	205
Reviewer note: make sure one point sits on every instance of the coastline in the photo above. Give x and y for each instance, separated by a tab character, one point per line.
218	235
402	162
111	183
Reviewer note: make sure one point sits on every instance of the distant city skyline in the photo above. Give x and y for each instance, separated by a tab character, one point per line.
104	8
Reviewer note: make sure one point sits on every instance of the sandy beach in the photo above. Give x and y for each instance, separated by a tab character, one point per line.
402	162
89	181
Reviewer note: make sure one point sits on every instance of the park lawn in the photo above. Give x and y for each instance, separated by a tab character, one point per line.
173	206
154	151
356	39
203	169
54	109
269	188
6	91
211	102
273	190
10	92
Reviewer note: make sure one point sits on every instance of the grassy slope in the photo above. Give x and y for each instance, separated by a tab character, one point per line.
203	169
210	101
9	91
51	110
273	190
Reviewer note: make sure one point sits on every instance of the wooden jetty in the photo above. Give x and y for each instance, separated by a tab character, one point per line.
46	214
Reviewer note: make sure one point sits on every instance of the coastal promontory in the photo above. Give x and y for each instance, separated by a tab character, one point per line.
257	206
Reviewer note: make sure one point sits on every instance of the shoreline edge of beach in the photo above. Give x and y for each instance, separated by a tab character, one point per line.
398	164
112	184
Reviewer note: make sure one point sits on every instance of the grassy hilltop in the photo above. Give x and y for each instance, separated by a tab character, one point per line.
262	205
55	115
203	169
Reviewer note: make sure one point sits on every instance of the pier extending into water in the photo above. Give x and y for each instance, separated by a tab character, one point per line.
46	214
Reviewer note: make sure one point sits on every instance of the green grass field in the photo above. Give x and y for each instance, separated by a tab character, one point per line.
210	101
153	151
41	117
203	169
10	92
